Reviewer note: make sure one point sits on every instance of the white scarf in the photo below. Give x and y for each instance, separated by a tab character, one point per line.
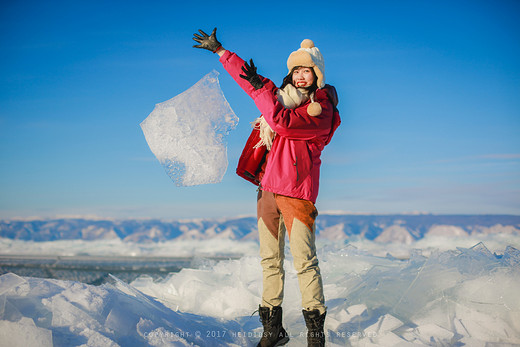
290	97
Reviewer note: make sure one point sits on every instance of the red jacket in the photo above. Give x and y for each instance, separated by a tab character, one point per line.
293	163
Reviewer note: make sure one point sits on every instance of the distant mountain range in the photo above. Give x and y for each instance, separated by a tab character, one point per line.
401	228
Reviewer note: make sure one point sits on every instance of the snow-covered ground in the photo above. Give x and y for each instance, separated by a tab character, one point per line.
435	291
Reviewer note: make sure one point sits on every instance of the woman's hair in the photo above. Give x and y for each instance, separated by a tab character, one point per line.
288	80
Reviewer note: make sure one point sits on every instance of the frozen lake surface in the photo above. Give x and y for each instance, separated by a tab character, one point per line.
437	291
95	269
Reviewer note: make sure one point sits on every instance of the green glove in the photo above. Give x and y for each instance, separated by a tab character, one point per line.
206	41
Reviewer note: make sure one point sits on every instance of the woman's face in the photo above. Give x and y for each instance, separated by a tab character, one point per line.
303	77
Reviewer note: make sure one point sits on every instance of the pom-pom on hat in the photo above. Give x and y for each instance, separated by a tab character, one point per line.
309	56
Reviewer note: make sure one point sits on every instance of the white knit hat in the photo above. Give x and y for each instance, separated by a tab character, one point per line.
308	56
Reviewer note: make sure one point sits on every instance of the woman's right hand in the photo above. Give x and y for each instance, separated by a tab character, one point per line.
206	41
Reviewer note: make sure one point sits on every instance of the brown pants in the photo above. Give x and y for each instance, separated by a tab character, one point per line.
276	214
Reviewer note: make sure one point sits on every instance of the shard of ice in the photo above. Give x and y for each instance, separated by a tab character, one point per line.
187	133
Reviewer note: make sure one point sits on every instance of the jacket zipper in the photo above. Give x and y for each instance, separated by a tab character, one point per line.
296	166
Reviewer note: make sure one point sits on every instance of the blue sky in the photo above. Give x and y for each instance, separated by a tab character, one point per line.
429	98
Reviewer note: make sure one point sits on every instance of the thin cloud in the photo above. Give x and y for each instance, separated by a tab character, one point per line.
505	156
494	156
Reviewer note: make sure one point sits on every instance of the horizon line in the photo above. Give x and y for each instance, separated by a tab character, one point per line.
92	217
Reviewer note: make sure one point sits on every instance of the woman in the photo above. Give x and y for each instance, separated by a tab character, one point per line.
282	156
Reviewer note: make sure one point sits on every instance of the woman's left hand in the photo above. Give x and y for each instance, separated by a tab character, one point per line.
251	75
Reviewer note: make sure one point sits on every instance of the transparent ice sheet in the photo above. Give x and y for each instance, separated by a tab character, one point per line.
188	133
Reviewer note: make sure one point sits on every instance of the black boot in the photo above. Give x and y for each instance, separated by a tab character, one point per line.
274	334
315	322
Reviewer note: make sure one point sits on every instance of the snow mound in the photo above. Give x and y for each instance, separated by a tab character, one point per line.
187	133
43	312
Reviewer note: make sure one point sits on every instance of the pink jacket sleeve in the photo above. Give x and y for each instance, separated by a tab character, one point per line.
294	124
233	65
